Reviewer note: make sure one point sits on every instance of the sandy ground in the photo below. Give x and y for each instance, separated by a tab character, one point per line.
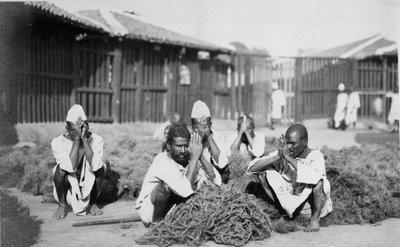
60	232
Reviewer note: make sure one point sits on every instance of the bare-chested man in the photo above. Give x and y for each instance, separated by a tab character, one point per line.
79	171
294	175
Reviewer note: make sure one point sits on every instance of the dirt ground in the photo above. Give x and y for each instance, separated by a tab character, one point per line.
60	232
55	232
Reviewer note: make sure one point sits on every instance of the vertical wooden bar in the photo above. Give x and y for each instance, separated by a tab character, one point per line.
140	75
116	83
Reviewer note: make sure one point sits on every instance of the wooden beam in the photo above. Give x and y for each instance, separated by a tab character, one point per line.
116	83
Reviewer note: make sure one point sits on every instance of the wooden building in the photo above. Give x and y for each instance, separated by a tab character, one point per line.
368	66
119	68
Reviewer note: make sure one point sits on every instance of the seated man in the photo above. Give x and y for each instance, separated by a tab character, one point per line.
174	175
294	175
212	154
79	169
246	140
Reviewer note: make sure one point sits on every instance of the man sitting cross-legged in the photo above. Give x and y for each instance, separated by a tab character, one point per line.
294	175
174	175
79	169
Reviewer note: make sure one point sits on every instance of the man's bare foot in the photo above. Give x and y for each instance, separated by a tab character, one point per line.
313	226
60	213
95	210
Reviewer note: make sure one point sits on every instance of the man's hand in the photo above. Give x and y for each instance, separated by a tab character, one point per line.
84	130
195	145
243	126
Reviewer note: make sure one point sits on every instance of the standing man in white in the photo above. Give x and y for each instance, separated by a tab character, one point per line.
341	104
277	100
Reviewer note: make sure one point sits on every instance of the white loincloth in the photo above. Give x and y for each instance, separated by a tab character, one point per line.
290	202
78	196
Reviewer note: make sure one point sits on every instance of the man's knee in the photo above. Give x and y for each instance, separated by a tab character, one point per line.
160	194
319	187
60	176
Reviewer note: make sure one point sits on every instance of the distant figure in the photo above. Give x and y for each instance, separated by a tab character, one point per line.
394	113
247	140
278	100
294	175
161	132
79	172
341	105
353	104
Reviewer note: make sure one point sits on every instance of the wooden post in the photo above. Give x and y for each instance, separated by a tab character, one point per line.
138	94
298	89
116	83
384	87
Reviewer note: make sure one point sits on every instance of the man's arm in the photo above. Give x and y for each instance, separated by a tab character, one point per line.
207	167
196	149
263	164
215	152
86	144
74	154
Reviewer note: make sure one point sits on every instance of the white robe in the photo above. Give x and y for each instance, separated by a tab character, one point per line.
278	100
394	113
78	196
340	111
353	104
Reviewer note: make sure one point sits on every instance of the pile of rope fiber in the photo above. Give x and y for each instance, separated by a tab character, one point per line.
221	214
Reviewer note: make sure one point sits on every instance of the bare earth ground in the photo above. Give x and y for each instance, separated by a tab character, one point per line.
60	232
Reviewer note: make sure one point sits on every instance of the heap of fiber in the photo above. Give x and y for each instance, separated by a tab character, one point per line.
362	183
223	215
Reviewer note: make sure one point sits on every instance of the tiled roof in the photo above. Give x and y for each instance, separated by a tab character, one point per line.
73	18
358	49
140	30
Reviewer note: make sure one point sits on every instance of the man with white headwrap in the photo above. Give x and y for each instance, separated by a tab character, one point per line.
277	100
212	152
341	105
79	169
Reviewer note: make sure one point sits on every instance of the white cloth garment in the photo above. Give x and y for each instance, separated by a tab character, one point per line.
394	113
75	112
78	195
200	109
258	145
353	104
165	169
278	100
309	171
340	111
159	133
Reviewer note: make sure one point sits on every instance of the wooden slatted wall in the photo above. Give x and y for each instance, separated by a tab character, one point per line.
43	94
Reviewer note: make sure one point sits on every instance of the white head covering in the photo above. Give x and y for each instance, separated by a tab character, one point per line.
341	87
75	112
274	85
200	109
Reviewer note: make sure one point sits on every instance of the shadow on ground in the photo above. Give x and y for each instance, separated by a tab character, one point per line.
18	227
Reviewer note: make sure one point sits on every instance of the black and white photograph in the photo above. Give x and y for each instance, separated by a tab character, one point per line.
199	123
